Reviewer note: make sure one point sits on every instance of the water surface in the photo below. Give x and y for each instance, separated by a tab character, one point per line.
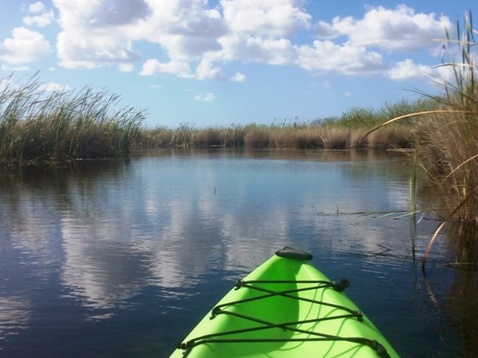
122	258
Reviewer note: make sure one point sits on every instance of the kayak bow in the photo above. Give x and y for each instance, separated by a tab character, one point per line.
285	308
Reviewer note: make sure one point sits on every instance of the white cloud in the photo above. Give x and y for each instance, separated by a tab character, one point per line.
97	33
238	77
25	46
359	46
194	40
205	97
41	20
41	17
257	49
407	69
399	29
206	70
90	14
187	30
36	7
4	84
153	67
275	18
54	87
126	67
82	49
345	59
14	68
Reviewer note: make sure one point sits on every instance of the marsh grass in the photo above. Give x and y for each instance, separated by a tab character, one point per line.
446	136
261	136
40	126
346	132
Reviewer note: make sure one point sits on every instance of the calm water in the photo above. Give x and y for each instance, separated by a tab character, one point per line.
121	259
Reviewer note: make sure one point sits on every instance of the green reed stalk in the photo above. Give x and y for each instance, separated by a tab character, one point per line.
447	136
38	126
413	205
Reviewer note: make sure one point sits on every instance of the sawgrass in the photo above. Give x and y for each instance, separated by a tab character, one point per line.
448	137
446	140
449	145
344	132
40	126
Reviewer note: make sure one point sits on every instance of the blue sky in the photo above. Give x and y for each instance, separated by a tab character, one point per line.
217	63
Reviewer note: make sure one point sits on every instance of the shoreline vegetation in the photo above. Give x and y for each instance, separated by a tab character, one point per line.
447	149
344	132
41	127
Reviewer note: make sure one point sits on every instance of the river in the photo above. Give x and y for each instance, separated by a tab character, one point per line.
121	258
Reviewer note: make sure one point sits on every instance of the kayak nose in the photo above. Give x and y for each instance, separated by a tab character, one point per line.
294	254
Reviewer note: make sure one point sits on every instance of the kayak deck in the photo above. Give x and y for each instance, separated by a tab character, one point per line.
285	308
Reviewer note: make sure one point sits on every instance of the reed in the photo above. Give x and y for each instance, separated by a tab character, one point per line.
158	137
39	126
446	135
345	132
232	136
209	137
448	138
298	137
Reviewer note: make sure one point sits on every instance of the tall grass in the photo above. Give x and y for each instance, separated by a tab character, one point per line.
56	126
446	136
344	132
449	148
448	145
37	126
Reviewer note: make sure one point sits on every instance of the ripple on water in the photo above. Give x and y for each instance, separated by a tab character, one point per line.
15	314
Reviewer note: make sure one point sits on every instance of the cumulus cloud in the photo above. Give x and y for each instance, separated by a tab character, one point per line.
81	49
238	77
191	39
153	67
95	33
41	17
36	7
347	59
91	14
4	83
407	69
24	46
41	20
126	67
275	18
22	68
207	70
257	49
205	97
117	12
54	87
187	30
399	29
184	29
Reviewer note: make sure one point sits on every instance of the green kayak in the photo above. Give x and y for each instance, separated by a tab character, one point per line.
285	308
